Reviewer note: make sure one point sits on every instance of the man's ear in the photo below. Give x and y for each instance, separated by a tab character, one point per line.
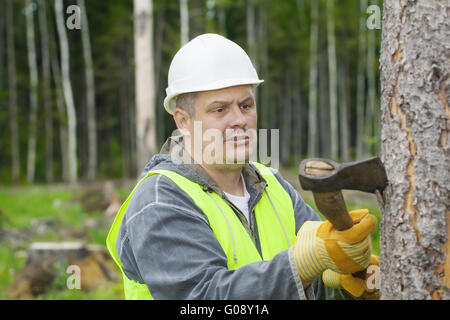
182	119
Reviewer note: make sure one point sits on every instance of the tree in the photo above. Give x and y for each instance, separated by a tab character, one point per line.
46	90
145	86
415	223
15	156
360	82
332	75
184	18
67	91
33	76
90	94
312	117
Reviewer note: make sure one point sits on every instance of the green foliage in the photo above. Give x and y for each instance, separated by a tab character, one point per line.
21	207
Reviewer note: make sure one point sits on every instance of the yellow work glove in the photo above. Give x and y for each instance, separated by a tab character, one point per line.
357	287
319	246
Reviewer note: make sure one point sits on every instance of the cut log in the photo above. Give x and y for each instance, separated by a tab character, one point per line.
41	268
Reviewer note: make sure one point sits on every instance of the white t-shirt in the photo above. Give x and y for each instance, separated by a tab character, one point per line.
241	202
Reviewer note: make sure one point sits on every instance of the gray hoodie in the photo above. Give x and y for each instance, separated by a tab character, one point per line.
166	242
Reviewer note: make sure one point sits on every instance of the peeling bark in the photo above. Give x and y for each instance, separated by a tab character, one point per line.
415	224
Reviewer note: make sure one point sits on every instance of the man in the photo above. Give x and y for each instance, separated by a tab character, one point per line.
205	223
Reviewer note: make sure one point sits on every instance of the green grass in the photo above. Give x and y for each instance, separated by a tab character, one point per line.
20	206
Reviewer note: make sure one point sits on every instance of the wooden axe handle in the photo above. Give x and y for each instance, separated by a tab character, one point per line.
332	206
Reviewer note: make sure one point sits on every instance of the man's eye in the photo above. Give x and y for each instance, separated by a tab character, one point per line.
219	110
246	106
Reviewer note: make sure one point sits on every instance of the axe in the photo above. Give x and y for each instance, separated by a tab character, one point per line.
326	179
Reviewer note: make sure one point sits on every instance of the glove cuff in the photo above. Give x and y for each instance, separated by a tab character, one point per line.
308	263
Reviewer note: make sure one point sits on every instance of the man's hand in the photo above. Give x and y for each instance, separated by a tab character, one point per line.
319	246
357	287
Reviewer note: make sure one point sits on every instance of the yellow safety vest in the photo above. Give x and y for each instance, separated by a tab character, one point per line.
274	215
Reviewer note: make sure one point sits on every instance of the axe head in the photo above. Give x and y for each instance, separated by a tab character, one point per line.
323	175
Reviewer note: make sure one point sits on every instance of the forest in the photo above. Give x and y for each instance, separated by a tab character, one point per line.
82	85
68	81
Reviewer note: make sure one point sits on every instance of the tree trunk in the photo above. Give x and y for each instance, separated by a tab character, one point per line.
68	95
90	94
360	82
62	123
286	120
312	117
369	122
221	19
251	32
33	74
2	44
415	225
46	91
332	76
343	115
184	18
13	121
263	91
145	87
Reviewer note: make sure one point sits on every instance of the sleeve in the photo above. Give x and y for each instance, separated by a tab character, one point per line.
169	245
303	212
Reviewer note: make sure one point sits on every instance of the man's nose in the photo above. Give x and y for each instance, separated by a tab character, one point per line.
238	119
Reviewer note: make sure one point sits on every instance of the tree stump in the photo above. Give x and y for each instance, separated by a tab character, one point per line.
95	266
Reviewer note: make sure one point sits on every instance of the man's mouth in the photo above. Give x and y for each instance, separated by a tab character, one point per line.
243	139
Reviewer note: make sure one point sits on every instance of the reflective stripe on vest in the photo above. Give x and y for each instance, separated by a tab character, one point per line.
274	215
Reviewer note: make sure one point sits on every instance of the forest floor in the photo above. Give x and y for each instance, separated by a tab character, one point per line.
57	212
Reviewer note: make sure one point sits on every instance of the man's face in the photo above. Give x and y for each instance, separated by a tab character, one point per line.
228	119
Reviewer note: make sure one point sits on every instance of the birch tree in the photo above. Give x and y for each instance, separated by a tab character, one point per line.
67	92
13	121
360	81
46	90
332	76
90	94
415	135
184	19
251	31
312	117
145	87
33	77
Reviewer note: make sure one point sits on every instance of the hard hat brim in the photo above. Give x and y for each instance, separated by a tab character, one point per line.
170	100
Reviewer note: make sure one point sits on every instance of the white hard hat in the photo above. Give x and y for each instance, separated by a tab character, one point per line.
208	62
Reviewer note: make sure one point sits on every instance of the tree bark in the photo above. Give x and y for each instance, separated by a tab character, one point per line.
90	94
13	117
46	90
312	117
67	91
415	91
145	87
332	76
